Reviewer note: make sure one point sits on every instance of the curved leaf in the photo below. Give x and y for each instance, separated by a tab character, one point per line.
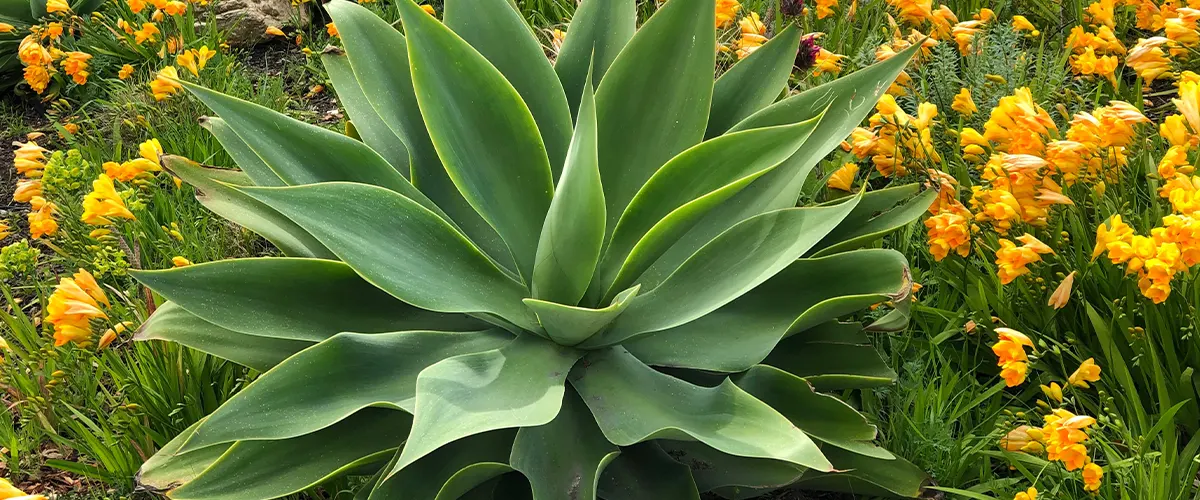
732	264
518	385
263	470
645	472
870	223
571	239
830	357
823	417
378	55
699	178
754	82
500	34
401	247
599	30
375	133
242	155
653	102
172	323
169	469
807	293
449	468
713	469
306	393
842	103
288	298
564	458
483	132
569	325
863	475
215	194
633	403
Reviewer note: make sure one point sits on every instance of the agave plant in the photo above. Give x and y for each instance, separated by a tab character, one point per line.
22	14
514	279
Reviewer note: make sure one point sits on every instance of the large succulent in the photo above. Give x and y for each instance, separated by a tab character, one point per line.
22	14
518	280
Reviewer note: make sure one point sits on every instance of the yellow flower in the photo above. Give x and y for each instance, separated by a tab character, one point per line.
1020	23
28	159
166	83
1113	231
1148	59
914	12
4	230
74	303
331	29
843	178
203	55
1012	260
1073	456
1088	63
275	31
53	31
53	6
109	336
33	53
10	492
1088	371
964	104
753	35
146	34
175	8
1181	29
428	9
187	60
7	28
1053	391
126	72
38	77
1014	373
1023	438
1062	294
26	190
1030	494
1101	12
1093	475
151	150
179	261
75	65
130	170
949	231
825	8
41	218
827	62
103	202
727	12
137	6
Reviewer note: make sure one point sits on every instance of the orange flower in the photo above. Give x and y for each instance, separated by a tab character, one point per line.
275	31
166	83
1088	371
1062	294
843	178
1093	475
76	65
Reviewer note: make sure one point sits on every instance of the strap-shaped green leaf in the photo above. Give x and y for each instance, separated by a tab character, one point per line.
844	103
300	153
401	247
823	417
172	323
500	34
242	155
379	56
447	472
699	178
570	325
374	132
830	358
168	469
599	30
754	82
870	224
289	298
564	458
573	235
862	475
213	191
732	264
518	385
263	470
307	392
483	132
645	472
653	102
713	469
749	328
633	403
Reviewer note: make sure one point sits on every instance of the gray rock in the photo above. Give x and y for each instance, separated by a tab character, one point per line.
246	21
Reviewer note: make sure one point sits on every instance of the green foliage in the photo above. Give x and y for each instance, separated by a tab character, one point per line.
494	312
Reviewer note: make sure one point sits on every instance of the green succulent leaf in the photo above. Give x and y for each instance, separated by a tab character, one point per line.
245	158
172	323
483	132
713	469
573	234
754	82
374	131
749	328
831	357
288	298
570	325
168	468
402	248
612	383
447	472
304	394
645	472
599	30
863	475
263	470
653	102
734	263
823	417
213	191
518	385
499	33
378	55
564	458
682	191
873	220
